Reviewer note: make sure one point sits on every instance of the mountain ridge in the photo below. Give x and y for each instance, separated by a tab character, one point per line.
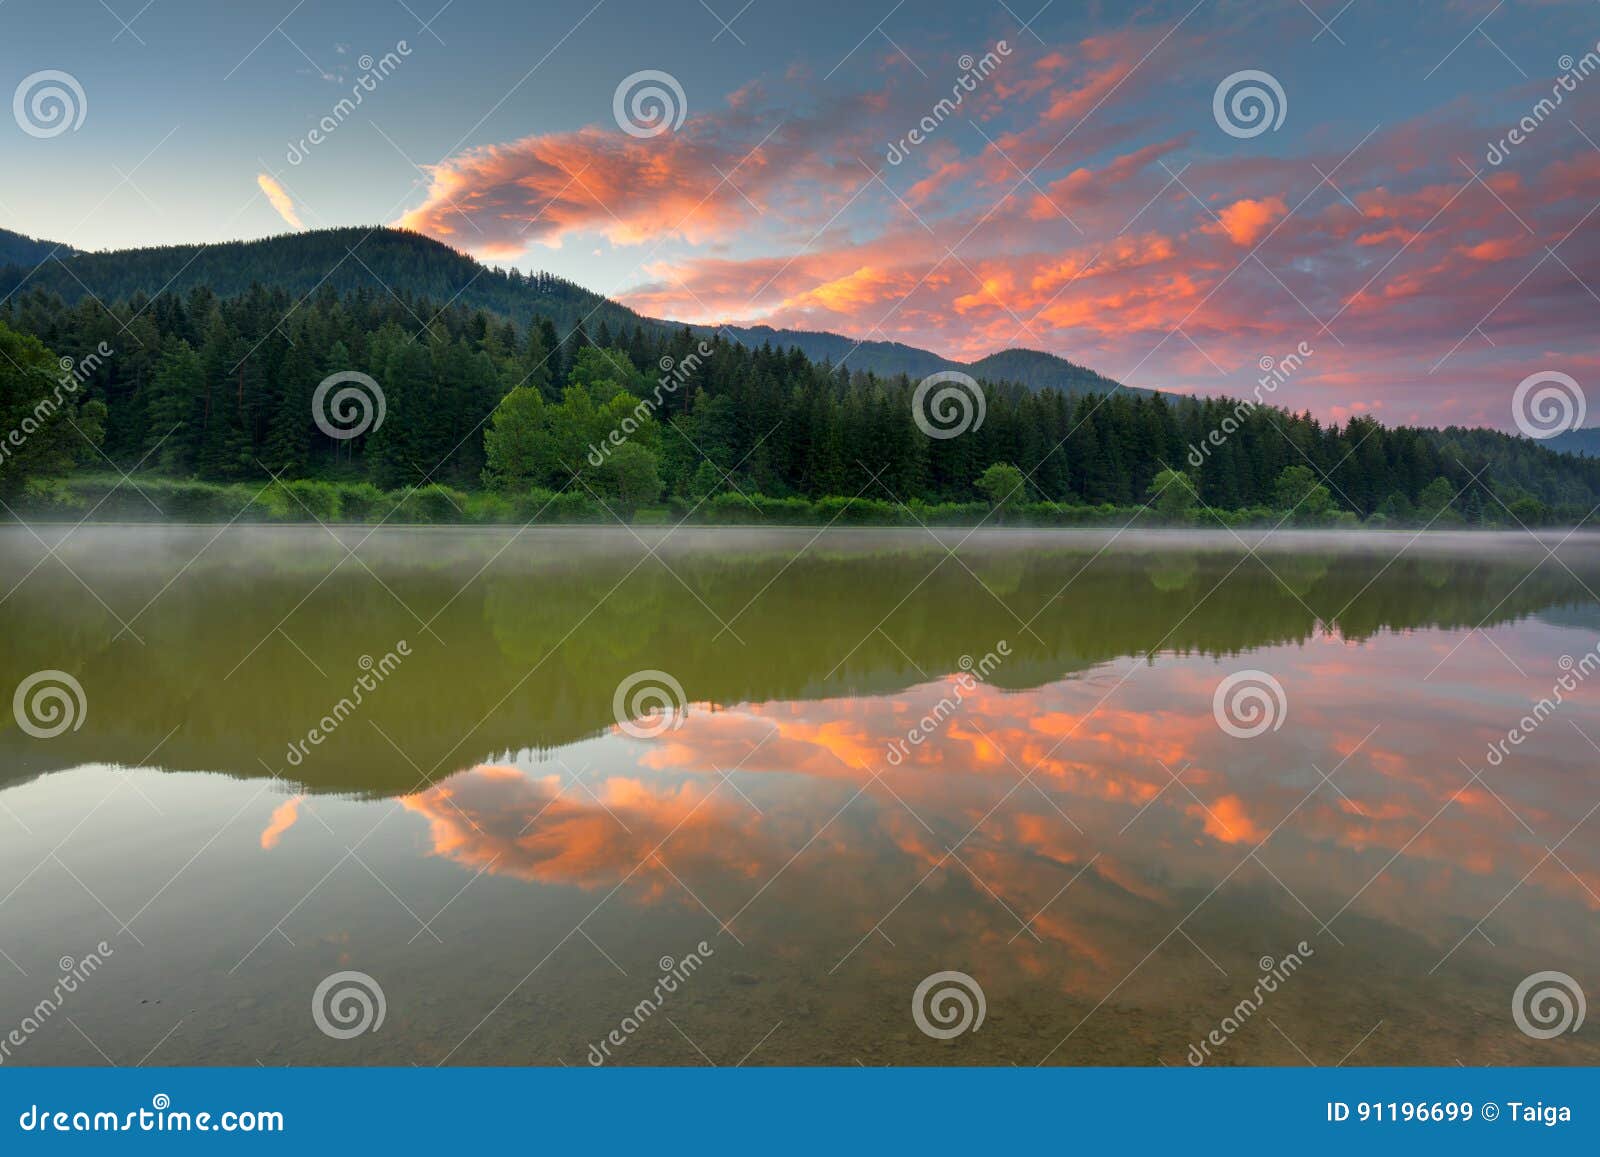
1584	441
20	249
346	258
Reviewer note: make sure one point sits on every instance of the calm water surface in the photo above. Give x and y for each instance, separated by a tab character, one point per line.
837	811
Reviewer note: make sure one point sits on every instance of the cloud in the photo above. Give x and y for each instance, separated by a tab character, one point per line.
1246	221
284	817
1067	206
663	832
280	200
501	200
494	818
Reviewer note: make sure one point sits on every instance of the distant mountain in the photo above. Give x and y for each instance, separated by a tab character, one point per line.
879	357
381	260
1028	368
1037	370
1585	441
15	249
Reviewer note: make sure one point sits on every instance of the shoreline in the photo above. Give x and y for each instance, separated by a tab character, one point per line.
690	536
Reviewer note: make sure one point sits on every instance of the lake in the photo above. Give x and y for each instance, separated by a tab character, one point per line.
576	796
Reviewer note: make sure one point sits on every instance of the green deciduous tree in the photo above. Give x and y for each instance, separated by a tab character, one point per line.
629	478
44	428
1297	490
1004	486
1173	495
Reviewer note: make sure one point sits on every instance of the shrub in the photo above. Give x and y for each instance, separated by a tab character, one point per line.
860	511
430	504
541	505
362	502
311	500
491	508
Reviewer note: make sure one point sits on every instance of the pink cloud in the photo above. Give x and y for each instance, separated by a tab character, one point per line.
1071	222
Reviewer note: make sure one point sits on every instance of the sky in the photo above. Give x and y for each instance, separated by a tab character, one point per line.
1096	191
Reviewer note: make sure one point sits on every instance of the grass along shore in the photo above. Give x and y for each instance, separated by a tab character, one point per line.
157	499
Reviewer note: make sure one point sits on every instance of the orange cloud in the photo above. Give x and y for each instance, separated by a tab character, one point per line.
1246	221
1227	820
500	820
283	818
278	197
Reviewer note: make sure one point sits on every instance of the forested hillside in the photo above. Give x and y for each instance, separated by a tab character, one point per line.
197	385
15	249
381	259
344	260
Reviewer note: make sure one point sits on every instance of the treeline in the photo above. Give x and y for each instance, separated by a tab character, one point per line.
198	386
